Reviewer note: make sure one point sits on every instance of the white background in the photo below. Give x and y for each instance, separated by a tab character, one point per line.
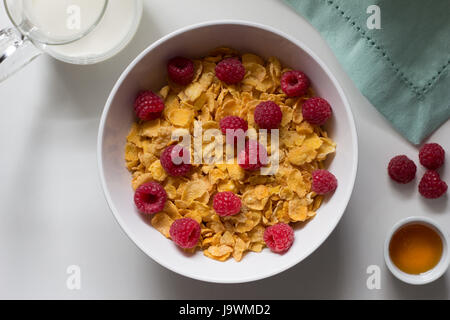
53	213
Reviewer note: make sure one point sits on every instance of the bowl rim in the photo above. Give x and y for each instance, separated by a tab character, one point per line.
431	275
106	110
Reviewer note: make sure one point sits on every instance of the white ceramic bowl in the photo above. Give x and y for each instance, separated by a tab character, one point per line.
148	70
425	277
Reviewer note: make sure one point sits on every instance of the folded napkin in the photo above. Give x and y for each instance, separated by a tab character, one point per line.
403	67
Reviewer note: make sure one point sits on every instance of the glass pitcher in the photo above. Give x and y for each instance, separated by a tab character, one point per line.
73	31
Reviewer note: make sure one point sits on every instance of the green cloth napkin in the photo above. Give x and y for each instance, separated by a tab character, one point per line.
402	68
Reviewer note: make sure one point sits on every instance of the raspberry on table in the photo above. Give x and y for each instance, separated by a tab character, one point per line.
226	203
233	124
148	105
323	181
180	70
402	169
185	232
279	237
294	83
268	115
230	71
431	186
253	157
173	168
431	156
150	197
316	111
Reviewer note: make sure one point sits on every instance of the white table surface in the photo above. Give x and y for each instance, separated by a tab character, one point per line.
53	213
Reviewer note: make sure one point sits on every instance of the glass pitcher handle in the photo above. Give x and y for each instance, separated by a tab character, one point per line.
16	51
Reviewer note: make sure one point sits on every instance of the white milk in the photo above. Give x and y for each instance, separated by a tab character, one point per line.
62	20
58	20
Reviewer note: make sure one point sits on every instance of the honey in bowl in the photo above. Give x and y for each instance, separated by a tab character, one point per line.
415	248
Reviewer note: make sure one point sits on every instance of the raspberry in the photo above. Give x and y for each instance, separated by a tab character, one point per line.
185	232
150	197
148	105
294	83
431	156
169	155
233	123
180	70
431	186
230	70
402	169
316	111
323	181
279	237
253	157
268	115
226	203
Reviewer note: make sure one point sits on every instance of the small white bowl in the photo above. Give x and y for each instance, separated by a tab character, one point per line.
426	277
148	71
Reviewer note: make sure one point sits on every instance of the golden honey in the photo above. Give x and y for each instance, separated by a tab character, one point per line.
415	248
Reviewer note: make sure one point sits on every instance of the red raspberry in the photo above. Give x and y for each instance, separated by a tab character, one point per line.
431	186
323	181
169	160
316	111
268	115
180	70
150	197
185	232
279	237
148	106
253	157
431	156
402	169
230	71
233	123
226	203
294	83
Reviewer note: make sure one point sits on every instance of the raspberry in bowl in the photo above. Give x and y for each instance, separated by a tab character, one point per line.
316	111
268	115
230	71
148	105
226	203
148	72
234	128
294	83
180	70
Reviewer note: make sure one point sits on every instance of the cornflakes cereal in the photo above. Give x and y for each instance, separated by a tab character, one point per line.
284	197
162	222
